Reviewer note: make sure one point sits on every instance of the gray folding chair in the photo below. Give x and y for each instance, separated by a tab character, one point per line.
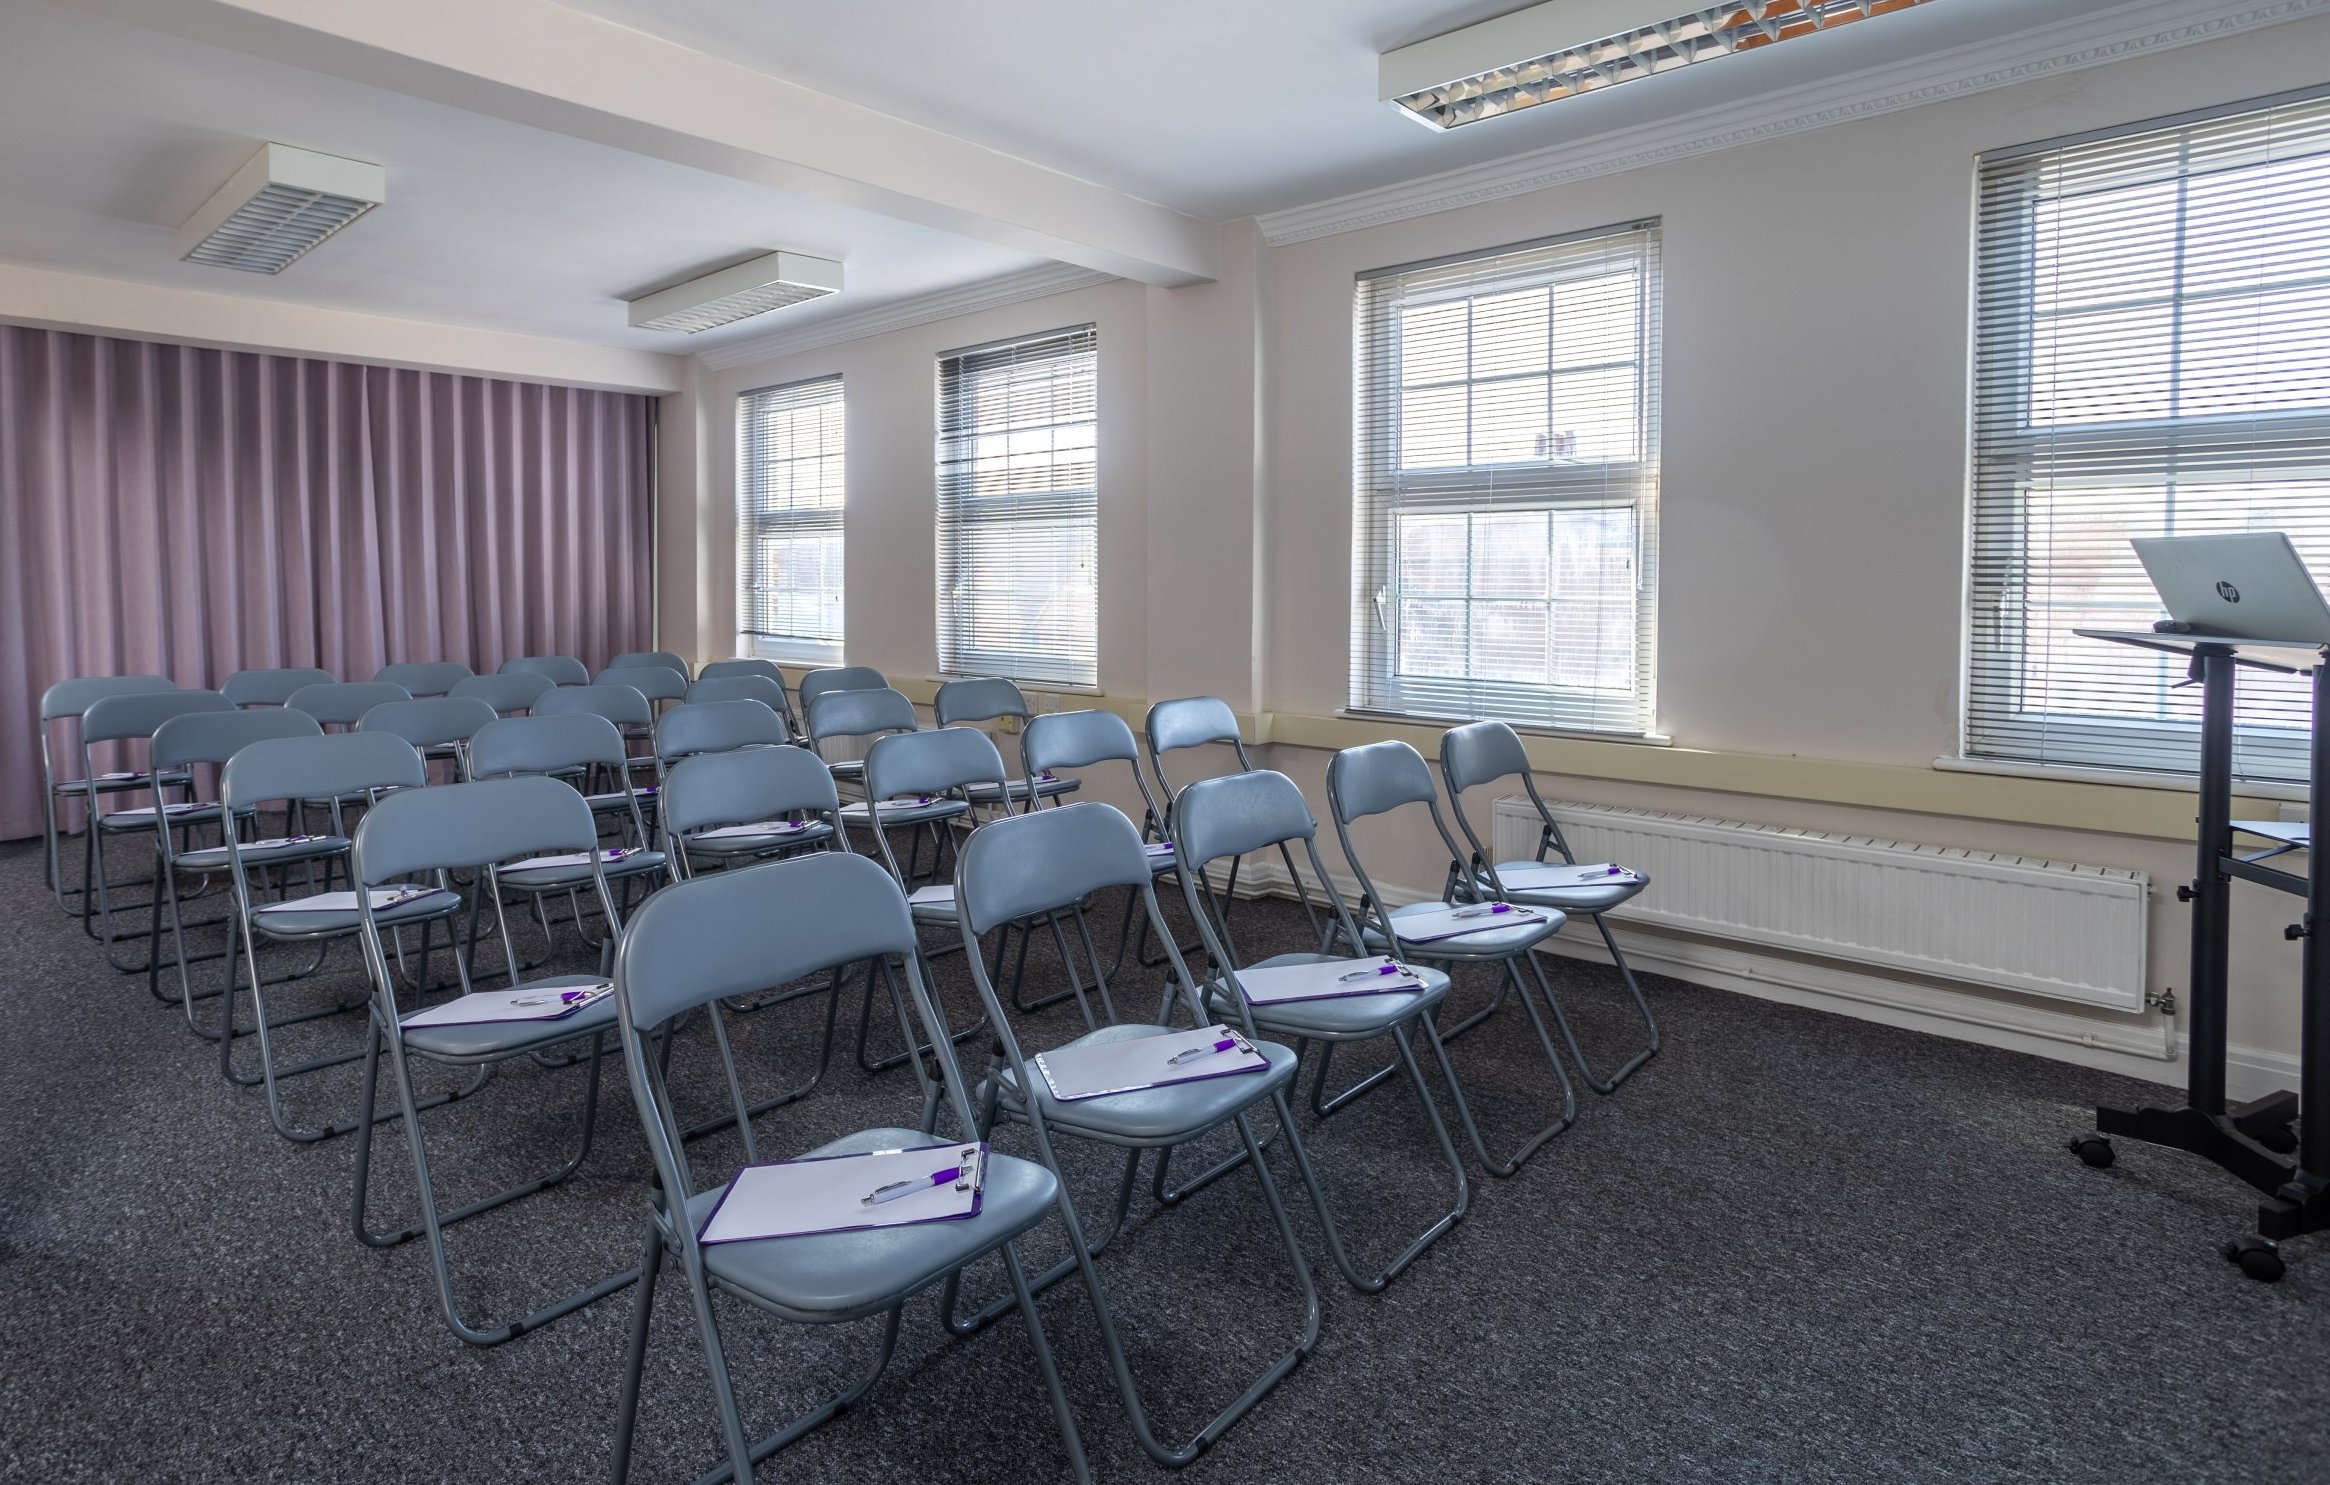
68	701
816	683
271	687
272	908
560	746
919	781
667	659
966	703
866	712
1056	741
1483	753
658	683
1381	779
726	809
438	727
183	744
131	721
715	727
563	670
1238	813
633	715
507	694
344	703
734	934
1196	722
1045	862
743	665
425	677
427	835
747	688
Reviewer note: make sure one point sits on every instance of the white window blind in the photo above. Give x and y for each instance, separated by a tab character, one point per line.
1505	530
789	462
1018	509
2152	357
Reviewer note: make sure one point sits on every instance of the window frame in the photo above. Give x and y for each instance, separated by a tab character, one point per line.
752	524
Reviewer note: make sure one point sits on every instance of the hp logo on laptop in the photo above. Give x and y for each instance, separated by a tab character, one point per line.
2228	592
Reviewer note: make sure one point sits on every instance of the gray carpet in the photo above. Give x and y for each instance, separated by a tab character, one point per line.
1795	1248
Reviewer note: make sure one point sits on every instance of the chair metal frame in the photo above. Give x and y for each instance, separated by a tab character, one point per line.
776	923
133	719
69	701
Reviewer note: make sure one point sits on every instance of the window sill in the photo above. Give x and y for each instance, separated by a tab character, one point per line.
1418	719
2123	778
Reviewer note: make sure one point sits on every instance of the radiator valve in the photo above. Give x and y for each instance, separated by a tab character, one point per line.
2163	1001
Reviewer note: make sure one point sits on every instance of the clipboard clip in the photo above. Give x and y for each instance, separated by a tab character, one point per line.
971	1168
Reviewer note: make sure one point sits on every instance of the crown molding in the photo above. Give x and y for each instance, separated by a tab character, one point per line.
922	309
2066	46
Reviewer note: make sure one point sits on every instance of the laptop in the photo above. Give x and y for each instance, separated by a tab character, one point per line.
2251	586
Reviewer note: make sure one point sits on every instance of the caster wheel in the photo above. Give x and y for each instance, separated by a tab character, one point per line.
2094	1149
2281	1139
2258	1257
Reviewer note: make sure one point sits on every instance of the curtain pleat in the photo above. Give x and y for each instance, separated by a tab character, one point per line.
193	512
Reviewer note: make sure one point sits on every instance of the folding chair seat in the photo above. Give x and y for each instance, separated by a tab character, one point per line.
69	701
428	835
131	721
563	670
732	934
1486	753
1382	779
1042	863
667	659
271	687
985	699
425	677
506	694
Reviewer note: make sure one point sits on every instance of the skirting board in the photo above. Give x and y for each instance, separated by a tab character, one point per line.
2136	1051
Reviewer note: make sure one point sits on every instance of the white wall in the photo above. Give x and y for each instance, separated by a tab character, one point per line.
1814	506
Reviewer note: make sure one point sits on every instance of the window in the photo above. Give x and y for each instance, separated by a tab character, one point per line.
1018	509
2152	357
788	510
1505	530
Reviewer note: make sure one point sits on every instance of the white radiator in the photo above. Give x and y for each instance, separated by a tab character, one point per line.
2008	922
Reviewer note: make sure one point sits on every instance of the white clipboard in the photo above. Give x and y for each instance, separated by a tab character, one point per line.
526	1003
741	832
1335	979
1101	1068
1456	922
1552	875
383	898
829	1193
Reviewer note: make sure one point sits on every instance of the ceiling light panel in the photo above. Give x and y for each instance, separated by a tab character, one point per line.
738	293
278	206
1567	47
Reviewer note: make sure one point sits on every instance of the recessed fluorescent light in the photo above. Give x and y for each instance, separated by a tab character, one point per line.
738	293
1566	47
280	204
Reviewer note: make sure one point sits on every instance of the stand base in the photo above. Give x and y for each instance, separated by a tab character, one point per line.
2302	1205
2241	1139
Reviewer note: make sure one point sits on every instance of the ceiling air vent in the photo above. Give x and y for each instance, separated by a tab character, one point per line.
750	288
281	203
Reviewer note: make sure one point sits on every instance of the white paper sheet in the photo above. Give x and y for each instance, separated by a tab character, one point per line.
801	1198
345	902
1553	875
1456	922
1126	1067
938	896
280	842
1280	984
578	858
526	1003
1159	848
764	827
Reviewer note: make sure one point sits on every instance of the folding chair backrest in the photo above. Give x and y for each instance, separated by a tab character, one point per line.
425	677
431	721
73	698
742	688
1044	861
625	706
1480	753
655	682
980	699
735	932
934	762
859	714
465	826
1237	813
344	703
534	745
516	691
716	727
1076	740
832	678
1376	779
136	715
665	659
1191	722
746	787
215	737
715	669
332	766
271	687
563	670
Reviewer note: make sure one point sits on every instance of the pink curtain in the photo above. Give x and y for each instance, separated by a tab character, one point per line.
191	512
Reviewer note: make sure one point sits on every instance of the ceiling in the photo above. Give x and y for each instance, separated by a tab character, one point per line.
516	218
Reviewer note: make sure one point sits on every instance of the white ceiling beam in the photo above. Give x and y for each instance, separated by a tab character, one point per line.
541	64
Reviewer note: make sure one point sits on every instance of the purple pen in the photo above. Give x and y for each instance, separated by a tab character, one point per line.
1224	1045
1483	912
896	1189
1388	967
